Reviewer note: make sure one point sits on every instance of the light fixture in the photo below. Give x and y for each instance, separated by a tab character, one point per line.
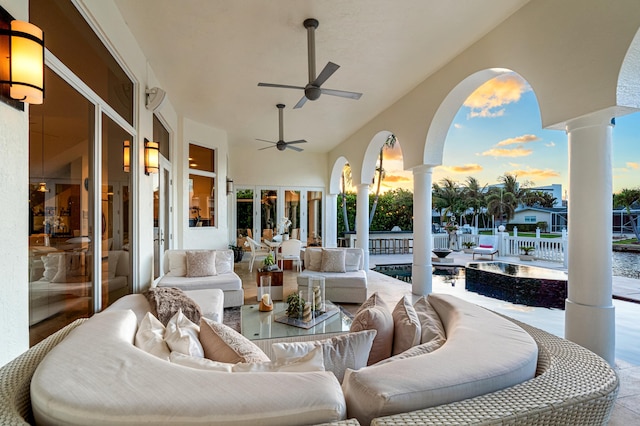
229	186
151	157
42	187
126	156
155	98
24	49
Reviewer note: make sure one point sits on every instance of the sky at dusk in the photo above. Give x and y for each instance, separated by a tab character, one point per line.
498	130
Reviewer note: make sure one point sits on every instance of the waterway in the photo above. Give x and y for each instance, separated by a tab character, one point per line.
626	264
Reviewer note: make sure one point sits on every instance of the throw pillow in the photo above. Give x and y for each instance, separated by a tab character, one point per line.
430	323
312	361
315	259
177	263
201	263
333	260
166	301
150	337
199	363
485	246
50	263
224	344
376	316
71	268
112	263
224	262
352	261
181	335
421	349
349	350
406	326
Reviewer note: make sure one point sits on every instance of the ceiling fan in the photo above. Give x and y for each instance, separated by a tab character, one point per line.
281	144
313	89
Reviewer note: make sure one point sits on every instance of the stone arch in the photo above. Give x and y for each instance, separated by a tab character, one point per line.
336	175
368	166
627	89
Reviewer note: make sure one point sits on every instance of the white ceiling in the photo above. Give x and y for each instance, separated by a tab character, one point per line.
211	54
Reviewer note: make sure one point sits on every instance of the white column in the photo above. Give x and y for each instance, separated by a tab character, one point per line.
590	314
331	221
362	221
422	238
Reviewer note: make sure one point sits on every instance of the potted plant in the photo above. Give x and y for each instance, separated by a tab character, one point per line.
238	252
269	263
295	305
526	253
468	246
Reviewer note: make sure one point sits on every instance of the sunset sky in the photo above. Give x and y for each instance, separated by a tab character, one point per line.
498	130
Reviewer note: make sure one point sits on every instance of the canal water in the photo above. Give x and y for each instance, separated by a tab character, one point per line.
626	264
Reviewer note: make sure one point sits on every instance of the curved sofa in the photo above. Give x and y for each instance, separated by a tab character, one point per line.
572	386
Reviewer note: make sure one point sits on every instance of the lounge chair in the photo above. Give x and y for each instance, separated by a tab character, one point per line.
487	246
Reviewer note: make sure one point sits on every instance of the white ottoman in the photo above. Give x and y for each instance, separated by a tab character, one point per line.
211	302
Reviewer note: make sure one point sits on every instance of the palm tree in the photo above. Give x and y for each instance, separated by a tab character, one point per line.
510	184
501	203
448	197
474	196
389	143
627	198
346	180
539	199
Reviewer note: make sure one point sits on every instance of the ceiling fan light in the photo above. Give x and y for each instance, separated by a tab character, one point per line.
42	187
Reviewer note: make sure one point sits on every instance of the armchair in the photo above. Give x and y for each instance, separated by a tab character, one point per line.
257	251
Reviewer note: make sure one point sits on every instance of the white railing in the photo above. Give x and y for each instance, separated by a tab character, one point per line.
551	249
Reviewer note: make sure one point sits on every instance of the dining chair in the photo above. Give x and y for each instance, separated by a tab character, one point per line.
257	251
290	250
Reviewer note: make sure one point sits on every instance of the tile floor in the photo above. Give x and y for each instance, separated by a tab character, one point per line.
627	408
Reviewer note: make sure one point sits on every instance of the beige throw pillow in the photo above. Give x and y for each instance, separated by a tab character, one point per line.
177	263
406	326
349	350
375	315
352	261
150	337
224	262
312	361
201	263
315	258
430	323
333	260
224	344
181	335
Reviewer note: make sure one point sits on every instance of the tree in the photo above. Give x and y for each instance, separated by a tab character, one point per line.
448	196
539	199
474	196
389	143
501	204
627	198
346	180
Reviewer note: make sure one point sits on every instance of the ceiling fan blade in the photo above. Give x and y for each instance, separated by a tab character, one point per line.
341	93
327	72
300	102
266	147
295	148
284	86
298	141
264	140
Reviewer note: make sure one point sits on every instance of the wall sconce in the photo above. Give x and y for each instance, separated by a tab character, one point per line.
126	156
229	186
151	157
23	47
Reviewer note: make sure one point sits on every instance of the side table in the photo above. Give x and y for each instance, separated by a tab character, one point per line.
276	284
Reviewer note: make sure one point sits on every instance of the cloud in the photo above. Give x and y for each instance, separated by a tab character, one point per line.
395	179
467	168
518	140
504	152
632	165
457	125
535	173
550	144
488	99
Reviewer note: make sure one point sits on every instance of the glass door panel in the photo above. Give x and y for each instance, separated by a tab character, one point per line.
244	216
292	211
268	214
115	218
161	215
61	137
314	217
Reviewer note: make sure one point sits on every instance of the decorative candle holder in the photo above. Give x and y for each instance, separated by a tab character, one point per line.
316	295
264	293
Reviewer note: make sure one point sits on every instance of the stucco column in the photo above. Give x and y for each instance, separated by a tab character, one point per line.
590	314
331	221
422	238
362	221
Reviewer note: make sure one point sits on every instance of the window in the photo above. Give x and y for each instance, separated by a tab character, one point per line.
202	185
530	219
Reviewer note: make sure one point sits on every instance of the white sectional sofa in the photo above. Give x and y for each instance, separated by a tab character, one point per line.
342	285
225	279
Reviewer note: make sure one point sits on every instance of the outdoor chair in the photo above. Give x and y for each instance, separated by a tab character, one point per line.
257	251
487	246
290	250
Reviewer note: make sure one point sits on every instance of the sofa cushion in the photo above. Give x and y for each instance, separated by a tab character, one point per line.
150	337
224	261
165	302
311	361
374	314
50	263
333	260
313	258
350	350
224	282
224	344
71	268
181	335
113	258
201	263
406	326
199	363
352	260
430	323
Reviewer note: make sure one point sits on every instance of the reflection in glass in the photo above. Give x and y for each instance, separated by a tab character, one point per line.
314	214
244	215
201	201
292	211
269	221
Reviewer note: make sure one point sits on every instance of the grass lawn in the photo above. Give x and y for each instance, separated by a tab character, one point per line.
627	241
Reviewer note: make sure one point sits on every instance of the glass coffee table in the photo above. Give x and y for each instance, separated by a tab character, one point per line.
264	330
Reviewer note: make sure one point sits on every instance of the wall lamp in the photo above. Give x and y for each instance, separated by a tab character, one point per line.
151	157
126	156
22	46
229	186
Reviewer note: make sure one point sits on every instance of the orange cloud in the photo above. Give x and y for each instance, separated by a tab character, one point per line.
632	165
394	153
503	152
536	173
519	140
395	179
487	100
467	168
